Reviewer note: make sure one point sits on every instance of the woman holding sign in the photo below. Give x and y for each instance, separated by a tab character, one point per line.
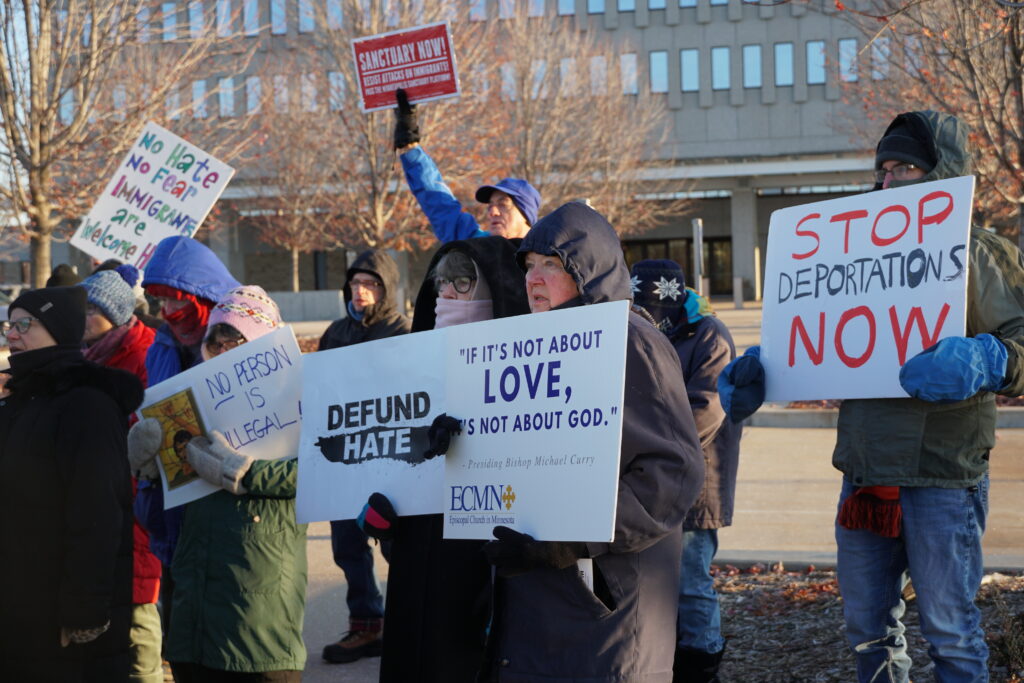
439	590
240	563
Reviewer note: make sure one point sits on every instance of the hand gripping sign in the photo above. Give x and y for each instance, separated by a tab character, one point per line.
856	286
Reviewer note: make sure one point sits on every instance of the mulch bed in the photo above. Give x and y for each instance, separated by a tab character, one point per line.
787	627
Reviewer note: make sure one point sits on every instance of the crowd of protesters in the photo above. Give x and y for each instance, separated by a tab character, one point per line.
101	583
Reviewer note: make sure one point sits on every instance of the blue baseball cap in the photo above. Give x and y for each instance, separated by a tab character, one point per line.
523	194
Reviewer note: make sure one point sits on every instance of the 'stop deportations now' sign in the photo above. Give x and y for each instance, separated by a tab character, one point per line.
419	60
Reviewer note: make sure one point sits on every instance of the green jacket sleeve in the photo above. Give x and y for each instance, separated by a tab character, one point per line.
995	300
272	478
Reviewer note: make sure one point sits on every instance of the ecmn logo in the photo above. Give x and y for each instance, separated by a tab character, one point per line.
485	498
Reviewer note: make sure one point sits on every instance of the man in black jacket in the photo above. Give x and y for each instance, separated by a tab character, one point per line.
371	283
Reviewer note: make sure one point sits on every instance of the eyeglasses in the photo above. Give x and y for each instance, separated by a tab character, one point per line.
214	346
368	284
899	172
461	284
22	325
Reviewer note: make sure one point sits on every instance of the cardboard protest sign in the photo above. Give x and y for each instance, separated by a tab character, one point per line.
541	425
250	394
856	286
541	396
367	410
420	60
165	186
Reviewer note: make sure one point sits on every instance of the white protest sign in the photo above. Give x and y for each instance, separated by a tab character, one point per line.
367	410
856	286
165	186
250	394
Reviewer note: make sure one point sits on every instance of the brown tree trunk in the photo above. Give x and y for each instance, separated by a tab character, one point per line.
295	269
41	261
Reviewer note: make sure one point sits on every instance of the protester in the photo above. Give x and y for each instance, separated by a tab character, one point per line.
704	347
240	563
116	338
914	497
65	516
548	625
188	279
371	283
439	590
512	203
142	304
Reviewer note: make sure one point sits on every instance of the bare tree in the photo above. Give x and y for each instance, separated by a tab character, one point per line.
965	57
79	79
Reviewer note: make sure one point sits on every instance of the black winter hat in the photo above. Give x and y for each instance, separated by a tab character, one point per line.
659	285
63	276
901	144
60	309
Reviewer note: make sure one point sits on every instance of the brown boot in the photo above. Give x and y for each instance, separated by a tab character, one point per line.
363	639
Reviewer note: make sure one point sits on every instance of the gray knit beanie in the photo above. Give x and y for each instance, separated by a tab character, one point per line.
112	293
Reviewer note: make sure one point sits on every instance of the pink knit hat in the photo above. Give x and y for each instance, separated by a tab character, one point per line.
247	309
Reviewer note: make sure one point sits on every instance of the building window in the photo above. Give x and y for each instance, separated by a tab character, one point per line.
307	21
848	60
172	104
281	93
142	22
278	18
719	2
253	94
627	65
170	16
199	99
719	68
687	3
478	10
751	66
336	90
783	64
627	5
595	6
598	75
689	70
815	62
506	9
195	19
308	92
538	79
880	51
223	18
335	15
508	82
536	8
251	17
226	97
912	55
659	70
655	4
566	7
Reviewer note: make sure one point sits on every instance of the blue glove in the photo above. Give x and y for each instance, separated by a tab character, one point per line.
741	385
956	368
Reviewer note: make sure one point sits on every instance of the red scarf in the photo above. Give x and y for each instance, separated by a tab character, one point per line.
874	508
188	323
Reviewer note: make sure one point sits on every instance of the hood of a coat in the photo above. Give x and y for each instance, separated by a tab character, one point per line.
949	138
185	264
495	258
378	263
589	248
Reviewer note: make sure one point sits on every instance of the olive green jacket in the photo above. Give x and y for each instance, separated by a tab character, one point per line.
909	442
240	577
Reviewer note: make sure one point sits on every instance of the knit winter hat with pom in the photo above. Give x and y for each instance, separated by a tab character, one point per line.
247	309
113	292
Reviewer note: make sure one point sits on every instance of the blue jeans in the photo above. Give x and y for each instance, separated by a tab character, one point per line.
939	548
353	554
699	625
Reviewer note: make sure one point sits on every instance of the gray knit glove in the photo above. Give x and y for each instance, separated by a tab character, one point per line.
218	463
143	444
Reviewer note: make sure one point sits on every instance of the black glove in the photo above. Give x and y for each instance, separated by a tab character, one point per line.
514	553
407	129
440	435
378	518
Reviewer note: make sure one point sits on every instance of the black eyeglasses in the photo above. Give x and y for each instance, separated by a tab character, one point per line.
899	172
461	284
22	325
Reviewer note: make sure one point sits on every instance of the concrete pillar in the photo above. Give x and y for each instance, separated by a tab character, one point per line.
743	230
224	243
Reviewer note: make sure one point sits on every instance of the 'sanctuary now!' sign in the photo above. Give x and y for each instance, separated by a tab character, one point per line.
419	60
165	186
856	286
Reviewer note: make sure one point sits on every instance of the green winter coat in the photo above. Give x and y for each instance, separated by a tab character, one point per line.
909	442
240	577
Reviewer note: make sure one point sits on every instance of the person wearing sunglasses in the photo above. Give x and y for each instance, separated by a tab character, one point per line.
65	516
239	566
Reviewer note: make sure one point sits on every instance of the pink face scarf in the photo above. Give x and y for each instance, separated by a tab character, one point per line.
449	312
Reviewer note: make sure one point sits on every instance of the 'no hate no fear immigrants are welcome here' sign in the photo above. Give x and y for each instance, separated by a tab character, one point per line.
164	187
